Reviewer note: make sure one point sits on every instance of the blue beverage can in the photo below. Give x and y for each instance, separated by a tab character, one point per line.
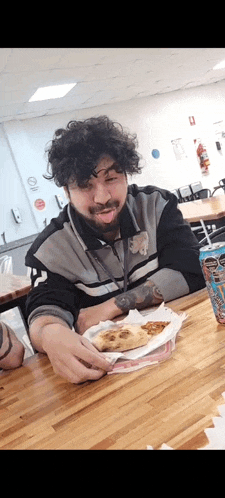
212	260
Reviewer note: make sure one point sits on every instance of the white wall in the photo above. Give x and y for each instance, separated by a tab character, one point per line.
157	120
27	144
12	194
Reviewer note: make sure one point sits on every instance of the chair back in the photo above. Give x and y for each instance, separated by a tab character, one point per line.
186	193
222	184
195	187
219	190
176	193
203	193
6	264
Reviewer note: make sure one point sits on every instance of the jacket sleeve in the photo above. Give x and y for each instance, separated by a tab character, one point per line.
178	252
52	294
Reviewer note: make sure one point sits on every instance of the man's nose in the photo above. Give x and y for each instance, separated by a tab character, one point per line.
101	194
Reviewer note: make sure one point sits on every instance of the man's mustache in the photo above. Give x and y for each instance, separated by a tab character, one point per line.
104	207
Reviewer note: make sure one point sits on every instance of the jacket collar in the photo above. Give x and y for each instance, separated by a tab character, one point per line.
91	238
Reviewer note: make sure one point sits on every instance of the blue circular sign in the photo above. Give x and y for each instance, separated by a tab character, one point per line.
155	153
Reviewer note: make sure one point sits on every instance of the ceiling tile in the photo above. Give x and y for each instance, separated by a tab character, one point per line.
32	59
4	55
103	75
82	57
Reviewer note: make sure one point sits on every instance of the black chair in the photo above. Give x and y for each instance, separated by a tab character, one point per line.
222	183
185	193
177	194
195	187
204	193
216	236
219	187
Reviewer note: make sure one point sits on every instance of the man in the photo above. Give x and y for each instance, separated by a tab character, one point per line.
113	248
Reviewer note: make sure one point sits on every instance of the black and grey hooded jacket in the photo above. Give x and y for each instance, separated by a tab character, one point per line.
72	268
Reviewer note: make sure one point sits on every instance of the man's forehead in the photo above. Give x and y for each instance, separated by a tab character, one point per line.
104	165
103	171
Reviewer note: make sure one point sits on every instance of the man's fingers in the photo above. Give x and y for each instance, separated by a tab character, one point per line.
76	372
92	356
74	357
91	347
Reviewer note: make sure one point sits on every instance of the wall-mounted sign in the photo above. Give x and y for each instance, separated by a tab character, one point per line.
39	204
192	120
178	149
32	182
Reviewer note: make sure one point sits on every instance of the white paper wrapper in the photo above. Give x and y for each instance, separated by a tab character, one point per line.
163	447
162	313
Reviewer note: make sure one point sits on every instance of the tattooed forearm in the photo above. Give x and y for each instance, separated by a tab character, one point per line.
5	341
143	296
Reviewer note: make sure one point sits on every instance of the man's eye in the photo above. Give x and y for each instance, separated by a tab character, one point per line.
111	179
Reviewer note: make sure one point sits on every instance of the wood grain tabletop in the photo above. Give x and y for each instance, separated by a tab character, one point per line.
172	402
13	286
212	208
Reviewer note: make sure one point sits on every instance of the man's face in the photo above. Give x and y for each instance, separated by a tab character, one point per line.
101	200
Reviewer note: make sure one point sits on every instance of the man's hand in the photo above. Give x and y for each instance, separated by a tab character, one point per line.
71	355
94	314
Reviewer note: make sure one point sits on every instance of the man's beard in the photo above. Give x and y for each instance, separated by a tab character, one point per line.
101	227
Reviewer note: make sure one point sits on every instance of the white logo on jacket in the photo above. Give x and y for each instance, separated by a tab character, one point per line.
139	243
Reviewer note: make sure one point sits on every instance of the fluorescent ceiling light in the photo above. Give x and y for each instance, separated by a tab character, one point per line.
51	92
221	65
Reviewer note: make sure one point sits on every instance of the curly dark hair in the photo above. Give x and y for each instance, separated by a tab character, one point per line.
75	151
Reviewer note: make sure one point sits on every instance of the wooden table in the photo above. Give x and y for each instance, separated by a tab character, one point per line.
13	291
212	208
172	402
13	286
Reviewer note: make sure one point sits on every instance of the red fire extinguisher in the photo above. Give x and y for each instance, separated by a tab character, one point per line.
202	156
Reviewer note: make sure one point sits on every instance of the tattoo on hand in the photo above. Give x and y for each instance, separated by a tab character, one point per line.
5	341
143	296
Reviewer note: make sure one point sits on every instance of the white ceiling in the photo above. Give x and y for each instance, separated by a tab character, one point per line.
103	75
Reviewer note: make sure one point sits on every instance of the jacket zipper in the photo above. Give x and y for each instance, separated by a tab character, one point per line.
108	271
115	252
